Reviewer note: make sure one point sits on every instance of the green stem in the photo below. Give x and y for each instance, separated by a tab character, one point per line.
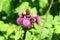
47	13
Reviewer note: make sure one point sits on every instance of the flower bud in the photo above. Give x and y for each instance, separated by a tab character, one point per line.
27	12
23	14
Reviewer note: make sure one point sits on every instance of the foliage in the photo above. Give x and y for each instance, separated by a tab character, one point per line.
11	9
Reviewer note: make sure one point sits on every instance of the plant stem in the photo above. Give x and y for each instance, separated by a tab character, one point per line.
46	17
24	34
47	13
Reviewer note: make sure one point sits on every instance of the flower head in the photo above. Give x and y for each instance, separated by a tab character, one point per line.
26	19
26	22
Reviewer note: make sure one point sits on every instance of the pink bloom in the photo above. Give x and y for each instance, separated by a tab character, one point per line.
19	20
26	22
38	19
26	19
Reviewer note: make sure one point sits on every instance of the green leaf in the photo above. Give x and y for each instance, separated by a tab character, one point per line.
37	26
28	36
1	38
51	30
33	11
57	24
19	33
56	20
59	0
33	0
4	27
22	8
5	6
43	3
1	4
1	22
57	29
48	22
34	38
10	30
44	33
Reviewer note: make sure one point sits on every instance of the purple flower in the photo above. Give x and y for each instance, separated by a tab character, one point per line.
26	19
19	20
38	19
26	22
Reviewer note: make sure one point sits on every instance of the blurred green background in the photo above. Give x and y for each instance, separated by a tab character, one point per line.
10	11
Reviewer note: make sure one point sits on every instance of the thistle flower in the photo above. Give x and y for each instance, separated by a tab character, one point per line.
26	19
26	22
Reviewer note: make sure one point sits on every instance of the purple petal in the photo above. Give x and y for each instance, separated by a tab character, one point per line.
38	19
19	20
26	22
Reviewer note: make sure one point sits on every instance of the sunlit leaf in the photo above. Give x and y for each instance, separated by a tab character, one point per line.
56	20
28	36
4	27
5	6
1	38
33	10
43	3
22	7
